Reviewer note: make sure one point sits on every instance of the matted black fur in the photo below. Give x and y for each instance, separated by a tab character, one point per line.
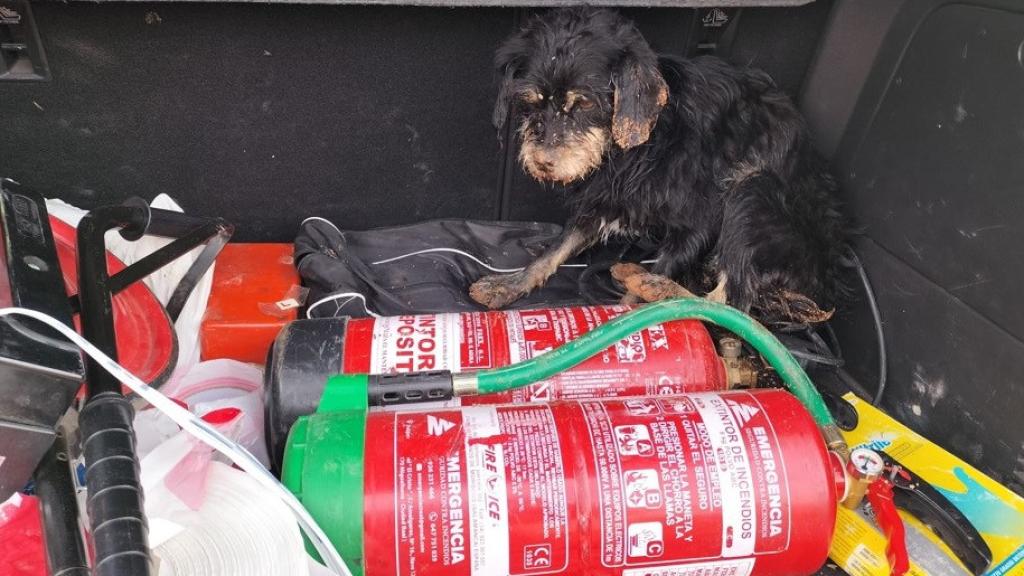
711	160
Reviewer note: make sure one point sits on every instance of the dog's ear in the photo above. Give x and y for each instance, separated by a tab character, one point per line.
510	57
506	95
640	94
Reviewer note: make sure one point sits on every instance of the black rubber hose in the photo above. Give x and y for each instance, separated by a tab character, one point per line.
876	316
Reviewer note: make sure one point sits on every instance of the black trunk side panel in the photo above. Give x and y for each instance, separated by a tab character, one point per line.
933	165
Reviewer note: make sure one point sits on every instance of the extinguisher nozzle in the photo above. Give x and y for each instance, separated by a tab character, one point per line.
835	441
409	388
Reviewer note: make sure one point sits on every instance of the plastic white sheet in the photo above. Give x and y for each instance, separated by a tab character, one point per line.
229	535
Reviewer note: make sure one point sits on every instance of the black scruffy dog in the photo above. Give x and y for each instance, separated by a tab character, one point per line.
713	162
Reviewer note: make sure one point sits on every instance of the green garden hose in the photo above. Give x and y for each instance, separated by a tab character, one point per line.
572	353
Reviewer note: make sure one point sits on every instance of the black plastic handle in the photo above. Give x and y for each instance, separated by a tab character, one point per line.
928	505
117	518
115	503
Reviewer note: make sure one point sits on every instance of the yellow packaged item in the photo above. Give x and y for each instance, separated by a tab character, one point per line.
859	546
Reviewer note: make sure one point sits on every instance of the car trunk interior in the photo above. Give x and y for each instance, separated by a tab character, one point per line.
268	113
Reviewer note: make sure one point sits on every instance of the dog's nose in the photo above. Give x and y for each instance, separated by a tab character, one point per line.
546	159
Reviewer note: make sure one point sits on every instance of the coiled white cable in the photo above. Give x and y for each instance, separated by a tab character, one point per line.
460	253
195	426
475	259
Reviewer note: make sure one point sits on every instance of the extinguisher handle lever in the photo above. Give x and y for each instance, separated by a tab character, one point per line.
922	501
880	495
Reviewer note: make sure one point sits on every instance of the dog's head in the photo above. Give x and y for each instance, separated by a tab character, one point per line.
579	82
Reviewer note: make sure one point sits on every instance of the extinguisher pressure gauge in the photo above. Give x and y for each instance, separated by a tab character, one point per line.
865	466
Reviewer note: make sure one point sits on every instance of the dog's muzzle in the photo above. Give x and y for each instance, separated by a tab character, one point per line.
573	159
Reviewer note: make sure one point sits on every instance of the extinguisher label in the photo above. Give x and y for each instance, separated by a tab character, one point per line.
718	568
431	503
664	359
689	478
477	350
645	363
488	497
415	343
461	475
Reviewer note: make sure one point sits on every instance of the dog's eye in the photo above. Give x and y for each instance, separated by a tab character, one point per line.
584	103
530	97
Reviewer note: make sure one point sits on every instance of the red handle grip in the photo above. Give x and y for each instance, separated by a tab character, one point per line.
881	498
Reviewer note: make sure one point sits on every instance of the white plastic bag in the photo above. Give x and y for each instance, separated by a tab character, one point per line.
207	387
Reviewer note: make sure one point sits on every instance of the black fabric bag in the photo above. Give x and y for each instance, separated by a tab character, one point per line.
428	267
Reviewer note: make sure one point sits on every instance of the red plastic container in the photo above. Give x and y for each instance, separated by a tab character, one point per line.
242	317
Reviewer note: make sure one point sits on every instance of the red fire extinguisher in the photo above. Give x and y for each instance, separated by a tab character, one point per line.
706	484
669	358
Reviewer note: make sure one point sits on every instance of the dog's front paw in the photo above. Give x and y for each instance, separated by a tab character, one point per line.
643	286
802	309
630	299
623	270
499	290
